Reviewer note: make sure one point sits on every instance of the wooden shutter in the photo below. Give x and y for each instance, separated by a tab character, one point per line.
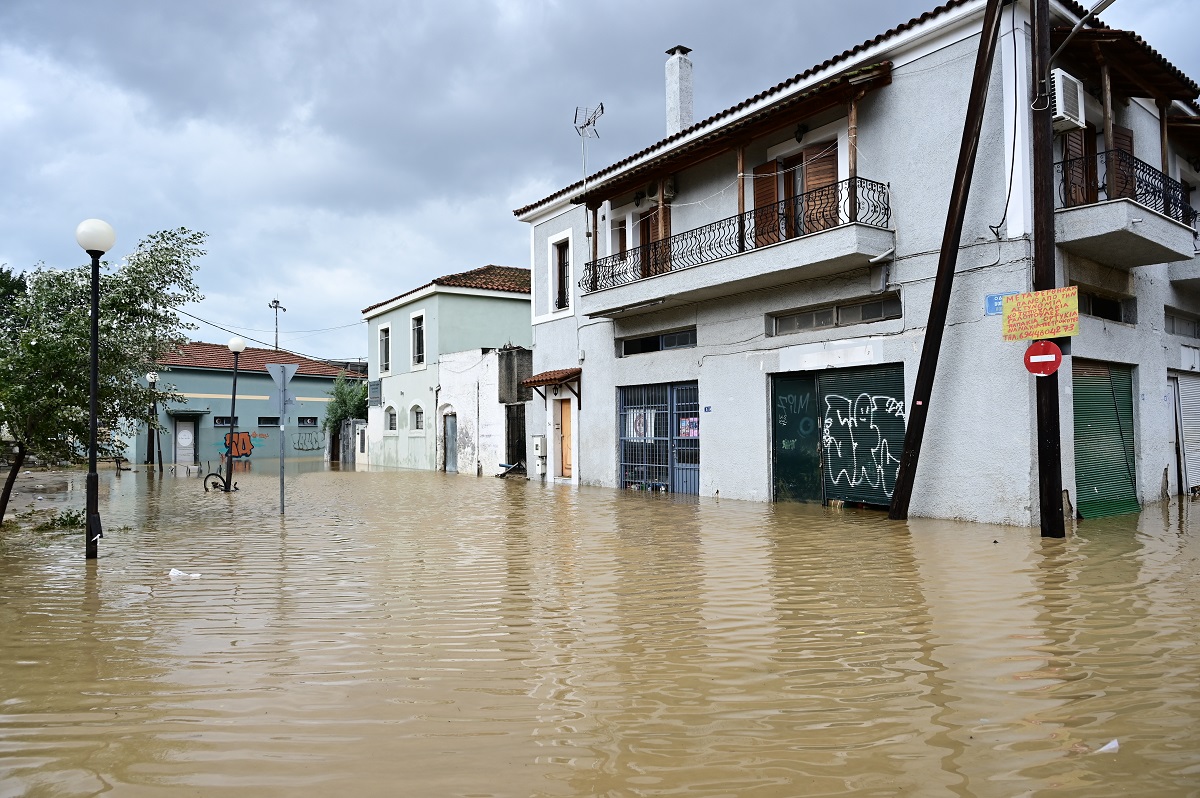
766	204
656	256
1123	182
1076	188
822	206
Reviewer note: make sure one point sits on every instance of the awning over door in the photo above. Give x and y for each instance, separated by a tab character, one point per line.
554	378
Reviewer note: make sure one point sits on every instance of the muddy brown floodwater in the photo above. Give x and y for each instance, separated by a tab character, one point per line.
415	634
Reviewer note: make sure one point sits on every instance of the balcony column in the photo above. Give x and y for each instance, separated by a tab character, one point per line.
741	196
852	155
1163	105
1110	176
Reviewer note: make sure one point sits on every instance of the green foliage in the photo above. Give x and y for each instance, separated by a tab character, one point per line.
45	351
349	400
66	519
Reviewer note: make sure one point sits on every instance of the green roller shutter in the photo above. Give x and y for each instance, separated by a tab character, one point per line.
862	431
1104	451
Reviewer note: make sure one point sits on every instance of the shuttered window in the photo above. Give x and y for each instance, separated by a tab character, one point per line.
1122	177
822	207
1105	467
655	230
766	204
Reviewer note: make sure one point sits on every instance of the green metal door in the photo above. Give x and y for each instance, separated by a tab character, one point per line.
1104	452
796	420
862	431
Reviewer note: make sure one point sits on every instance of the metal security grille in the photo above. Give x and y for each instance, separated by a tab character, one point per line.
659	430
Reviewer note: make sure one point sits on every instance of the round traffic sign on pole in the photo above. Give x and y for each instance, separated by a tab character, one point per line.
1043	358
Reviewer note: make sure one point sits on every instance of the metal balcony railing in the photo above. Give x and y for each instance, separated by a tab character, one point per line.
852	200
1116	174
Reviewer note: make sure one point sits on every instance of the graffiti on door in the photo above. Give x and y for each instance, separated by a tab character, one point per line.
856	440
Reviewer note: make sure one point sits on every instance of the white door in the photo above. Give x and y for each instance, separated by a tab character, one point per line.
185	441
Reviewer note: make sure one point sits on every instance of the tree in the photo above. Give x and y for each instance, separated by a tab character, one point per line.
349	401
45	352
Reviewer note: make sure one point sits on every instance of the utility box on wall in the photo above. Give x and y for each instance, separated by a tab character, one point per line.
539	445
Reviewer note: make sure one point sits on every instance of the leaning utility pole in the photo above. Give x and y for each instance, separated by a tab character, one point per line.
1049	446
939	305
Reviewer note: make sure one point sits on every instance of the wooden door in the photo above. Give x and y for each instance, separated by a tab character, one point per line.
655	236
564	438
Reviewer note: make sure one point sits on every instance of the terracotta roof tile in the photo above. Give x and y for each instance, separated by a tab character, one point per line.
555	377
217	356
488	278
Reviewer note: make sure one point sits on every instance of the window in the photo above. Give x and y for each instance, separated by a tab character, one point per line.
306	421
418	418
418	340
268	421
1178	324
390	415
223	421
886	307
1108	307
562	275
681	339
385	349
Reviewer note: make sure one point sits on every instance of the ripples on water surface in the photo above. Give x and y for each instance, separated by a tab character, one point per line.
405	633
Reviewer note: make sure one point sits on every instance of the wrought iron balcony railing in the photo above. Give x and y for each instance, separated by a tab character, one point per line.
1116	174
853	200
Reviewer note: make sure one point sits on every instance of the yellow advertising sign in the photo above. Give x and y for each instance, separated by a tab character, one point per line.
1041	314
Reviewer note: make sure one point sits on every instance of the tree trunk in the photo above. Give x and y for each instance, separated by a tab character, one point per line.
12	479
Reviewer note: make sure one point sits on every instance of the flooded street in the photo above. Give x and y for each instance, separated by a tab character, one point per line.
410	633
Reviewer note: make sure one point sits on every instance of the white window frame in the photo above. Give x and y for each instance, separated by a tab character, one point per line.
389	413
379	348
412	355
413	412
552	273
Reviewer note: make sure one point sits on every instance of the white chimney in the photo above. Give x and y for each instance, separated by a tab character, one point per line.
679	90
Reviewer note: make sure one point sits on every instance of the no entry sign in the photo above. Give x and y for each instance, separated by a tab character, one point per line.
1042	358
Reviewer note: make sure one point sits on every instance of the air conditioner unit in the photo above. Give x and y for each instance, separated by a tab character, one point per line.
1066	101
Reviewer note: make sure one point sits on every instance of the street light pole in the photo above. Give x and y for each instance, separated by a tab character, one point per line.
277	307
96	237
237	346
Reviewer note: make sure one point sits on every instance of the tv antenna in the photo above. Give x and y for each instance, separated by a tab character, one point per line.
277	307
585	126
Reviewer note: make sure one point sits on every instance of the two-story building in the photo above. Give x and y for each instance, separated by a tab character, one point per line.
439	359
739	309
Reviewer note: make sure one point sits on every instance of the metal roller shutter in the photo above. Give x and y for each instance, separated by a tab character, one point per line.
1189	411
862	432
1104	452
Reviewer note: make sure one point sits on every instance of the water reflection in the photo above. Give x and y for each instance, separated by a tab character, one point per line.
412	633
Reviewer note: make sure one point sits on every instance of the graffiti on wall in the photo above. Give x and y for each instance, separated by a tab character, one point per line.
858	439
308	441
240	445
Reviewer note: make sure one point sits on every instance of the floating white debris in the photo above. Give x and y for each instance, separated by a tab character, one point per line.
1110	748
175	573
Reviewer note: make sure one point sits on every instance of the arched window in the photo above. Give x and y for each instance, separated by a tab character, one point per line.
390	420
416	418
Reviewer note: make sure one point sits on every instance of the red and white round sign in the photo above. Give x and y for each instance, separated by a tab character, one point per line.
1042	358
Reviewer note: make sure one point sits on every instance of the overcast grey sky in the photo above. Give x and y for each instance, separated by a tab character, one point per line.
339	154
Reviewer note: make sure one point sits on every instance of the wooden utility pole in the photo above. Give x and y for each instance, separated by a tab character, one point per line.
939	305
1049	446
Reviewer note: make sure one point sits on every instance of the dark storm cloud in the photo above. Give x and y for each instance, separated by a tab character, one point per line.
341	153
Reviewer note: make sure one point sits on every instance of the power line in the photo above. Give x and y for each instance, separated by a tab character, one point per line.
264	343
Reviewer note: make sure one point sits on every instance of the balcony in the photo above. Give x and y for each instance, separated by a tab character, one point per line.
833	229
1122	212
